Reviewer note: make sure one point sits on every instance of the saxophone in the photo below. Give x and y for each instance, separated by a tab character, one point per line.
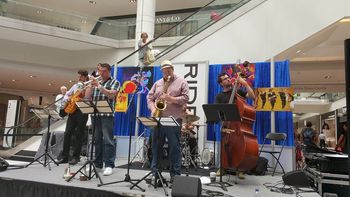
160	104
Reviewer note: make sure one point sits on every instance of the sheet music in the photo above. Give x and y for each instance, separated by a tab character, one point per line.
148	122
168	121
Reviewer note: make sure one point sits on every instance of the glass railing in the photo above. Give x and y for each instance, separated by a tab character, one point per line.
208	15
119	28
37	122
58	18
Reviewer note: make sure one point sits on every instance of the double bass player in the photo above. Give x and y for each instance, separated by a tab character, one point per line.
244	90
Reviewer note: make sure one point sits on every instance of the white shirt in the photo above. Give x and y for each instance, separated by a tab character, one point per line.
59	104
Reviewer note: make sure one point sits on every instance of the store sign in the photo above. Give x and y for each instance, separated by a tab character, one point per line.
168	19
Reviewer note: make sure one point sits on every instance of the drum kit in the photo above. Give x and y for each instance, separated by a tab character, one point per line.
189	145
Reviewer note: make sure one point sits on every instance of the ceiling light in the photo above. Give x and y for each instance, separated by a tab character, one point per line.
92	2
32	76
49	84
13	80
83	21
39	12
327	77
132	1
298	51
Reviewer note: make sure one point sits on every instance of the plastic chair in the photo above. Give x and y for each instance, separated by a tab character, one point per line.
276	154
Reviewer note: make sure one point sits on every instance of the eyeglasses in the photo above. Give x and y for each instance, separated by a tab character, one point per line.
226	78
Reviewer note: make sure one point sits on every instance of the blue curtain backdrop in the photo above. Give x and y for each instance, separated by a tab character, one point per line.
284	120
213	130
125	122
262	126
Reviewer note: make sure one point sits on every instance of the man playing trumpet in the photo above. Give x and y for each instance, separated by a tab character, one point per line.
172	91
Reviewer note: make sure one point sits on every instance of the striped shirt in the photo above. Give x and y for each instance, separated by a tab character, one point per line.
110	84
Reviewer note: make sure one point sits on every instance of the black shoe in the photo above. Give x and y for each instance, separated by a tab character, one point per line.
63	160
74	161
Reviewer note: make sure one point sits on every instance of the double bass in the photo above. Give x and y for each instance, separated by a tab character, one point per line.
239	145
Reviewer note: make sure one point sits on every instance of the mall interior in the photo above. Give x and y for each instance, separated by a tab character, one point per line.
294	54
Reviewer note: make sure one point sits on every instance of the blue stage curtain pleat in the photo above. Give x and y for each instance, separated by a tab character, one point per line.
124	122
144	112
284	120
213	89
262	124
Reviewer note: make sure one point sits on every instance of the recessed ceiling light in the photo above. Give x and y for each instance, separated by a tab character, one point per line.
132	1
32	76
13	80
39	12
92	2
49	84
327	77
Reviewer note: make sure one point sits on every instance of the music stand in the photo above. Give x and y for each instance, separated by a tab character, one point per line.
89	107
157	122
44	113
219	113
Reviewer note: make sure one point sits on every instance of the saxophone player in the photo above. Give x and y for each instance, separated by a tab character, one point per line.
173	92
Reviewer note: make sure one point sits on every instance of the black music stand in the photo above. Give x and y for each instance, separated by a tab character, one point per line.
44	113
219	113
127	178
89	107
157	122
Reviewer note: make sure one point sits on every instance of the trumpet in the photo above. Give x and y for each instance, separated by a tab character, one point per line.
99	78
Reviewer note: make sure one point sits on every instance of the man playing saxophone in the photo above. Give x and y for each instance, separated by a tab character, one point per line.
167	98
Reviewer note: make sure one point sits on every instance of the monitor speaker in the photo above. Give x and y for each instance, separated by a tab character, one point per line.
184	186
296	178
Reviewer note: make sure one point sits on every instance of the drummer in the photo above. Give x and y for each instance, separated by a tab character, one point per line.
188	133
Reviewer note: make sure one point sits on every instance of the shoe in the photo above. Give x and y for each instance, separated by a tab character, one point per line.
61	161
74	161
87	169
240	175
108	171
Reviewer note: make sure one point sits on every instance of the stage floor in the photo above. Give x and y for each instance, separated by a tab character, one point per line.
40	174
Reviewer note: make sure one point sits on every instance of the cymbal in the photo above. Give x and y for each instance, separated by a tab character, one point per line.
190	118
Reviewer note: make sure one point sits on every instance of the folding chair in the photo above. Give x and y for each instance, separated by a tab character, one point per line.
276	154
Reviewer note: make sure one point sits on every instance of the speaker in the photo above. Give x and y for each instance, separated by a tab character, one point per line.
296	178
3	164
185	186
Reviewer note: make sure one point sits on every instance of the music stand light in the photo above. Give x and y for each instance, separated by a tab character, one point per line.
44	113
89	107
219	113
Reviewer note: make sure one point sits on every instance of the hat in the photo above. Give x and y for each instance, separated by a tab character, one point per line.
166	64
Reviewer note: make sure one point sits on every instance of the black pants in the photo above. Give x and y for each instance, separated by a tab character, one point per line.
75	128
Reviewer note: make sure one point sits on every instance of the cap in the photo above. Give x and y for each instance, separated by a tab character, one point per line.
166	64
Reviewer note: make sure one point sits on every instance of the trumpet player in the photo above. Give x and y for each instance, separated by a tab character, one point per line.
106	89
167	98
